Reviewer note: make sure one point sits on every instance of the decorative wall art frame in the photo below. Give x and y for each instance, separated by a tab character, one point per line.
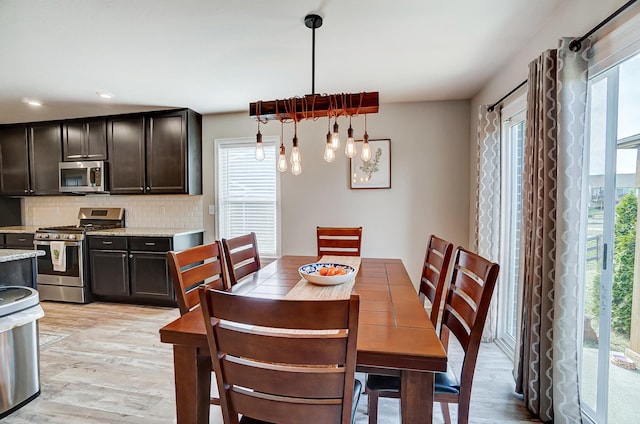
376	173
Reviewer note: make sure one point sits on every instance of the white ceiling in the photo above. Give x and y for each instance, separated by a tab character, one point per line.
214	56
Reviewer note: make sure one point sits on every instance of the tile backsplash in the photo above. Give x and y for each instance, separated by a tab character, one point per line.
146	211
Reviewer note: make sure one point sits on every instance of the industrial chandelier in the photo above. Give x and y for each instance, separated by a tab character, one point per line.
314	106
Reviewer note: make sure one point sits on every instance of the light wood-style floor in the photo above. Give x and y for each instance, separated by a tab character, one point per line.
104	363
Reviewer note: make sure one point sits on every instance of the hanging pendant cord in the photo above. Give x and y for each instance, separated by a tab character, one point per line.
313	60
576	44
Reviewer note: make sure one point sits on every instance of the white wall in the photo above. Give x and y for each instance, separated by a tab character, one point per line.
430	180
573	18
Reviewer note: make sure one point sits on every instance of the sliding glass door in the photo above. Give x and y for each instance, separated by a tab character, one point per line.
611	341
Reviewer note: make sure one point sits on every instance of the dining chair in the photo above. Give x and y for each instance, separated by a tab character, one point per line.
465	311
283	361
192	267
340	241
241	254
434	274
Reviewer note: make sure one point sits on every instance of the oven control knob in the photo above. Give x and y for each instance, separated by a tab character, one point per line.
57	236
72	236
44	236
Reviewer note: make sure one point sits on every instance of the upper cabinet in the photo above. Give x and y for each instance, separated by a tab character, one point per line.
126	150
157	153
85	140
29	156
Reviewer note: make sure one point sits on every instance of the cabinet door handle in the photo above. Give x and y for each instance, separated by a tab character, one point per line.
149	244
131	256
107	242
22	239
74	156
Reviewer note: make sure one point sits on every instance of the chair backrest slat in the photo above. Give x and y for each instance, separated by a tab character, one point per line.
341	241
242	257
473	281
275	360
192	267
273	410
260	347
434	274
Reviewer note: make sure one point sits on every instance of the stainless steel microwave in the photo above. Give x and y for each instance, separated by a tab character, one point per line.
82	177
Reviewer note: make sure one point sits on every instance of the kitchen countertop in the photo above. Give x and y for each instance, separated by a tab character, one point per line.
124	232
147	232
19	229
8	255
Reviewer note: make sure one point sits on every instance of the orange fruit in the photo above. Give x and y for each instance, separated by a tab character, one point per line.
323	271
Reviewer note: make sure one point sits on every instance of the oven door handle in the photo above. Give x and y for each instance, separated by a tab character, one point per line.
66	243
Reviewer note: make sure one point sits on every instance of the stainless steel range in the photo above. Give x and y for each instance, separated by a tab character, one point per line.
62	271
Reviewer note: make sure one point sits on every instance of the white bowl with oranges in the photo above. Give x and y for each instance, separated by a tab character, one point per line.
326	274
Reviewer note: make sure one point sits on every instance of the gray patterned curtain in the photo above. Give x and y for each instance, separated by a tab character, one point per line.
547	363
487	225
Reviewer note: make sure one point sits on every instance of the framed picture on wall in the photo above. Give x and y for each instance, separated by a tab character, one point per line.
376	172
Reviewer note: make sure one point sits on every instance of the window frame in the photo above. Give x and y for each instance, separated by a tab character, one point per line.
515	110
267	141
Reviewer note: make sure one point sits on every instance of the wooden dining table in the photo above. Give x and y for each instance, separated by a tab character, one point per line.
395	336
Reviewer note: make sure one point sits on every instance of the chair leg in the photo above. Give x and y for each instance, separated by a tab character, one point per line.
445	412
463	411
372	407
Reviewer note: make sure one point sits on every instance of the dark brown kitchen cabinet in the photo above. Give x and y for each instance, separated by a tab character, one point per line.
150	279
156	153
109	273
18	241
29	156
84	140
125	137
135	269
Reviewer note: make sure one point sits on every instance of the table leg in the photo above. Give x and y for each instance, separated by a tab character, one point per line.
192	373
416	403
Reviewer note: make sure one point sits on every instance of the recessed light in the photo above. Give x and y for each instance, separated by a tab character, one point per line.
32	102
104	94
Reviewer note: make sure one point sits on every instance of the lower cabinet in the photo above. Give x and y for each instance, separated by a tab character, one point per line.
134	269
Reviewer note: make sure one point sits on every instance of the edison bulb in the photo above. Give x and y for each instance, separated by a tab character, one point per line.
295	155
366	152
329	153
259	151
282	161
296	168
350	148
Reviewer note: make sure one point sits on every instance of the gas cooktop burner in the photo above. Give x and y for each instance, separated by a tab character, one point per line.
91	219
78	228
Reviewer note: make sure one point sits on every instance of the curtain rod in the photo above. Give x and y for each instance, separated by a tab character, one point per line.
576	44
493	106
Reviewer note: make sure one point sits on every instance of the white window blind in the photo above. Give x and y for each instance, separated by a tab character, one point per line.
247	192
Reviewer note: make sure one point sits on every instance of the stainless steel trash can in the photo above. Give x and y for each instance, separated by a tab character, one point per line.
19	350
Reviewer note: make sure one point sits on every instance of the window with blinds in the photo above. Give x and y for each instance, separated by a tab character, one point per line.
247	192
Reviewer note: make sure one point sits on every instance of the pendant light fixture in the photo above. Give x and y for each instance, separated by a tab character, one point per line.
296	159
313	106
350	147
282	158
366	150
329	151
259	148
